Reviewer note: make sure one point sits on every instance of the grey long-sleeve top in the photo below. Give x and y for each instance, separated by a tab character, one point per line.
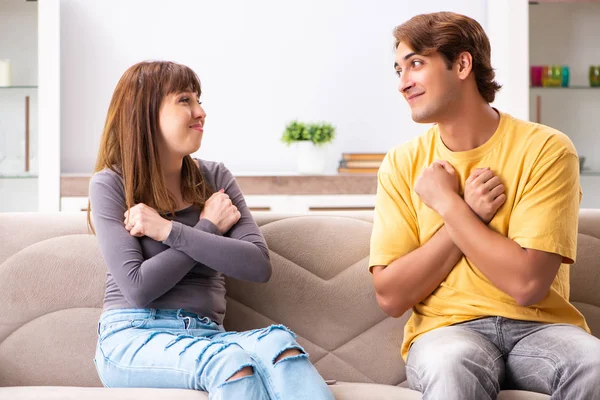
186	270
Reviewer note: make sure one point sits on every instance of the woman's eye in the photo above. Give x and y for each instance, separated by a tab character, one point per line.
399	73
417	63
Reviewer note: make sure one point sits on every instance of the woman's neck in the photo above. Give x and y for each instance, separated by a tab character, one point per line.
171	170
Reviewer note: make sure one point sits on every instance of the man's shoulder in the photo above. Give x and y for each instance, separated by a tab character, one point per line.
400	159
549	141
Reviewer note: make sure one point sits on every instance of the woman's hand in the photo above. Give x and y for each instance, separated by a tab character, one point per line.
141	220
219	210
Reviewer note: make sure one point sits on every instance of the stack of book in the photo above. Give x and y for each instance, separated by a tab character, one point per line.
360	163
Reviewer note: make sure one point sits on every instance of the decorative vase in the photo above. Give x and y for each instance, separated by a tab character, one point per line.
311	158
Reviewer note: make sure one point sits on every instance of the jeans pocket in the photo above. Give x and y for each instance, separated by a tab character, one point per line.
139	323
111	328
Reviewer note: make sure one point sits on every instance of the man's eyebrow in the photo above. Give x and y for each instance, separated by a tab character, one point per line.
406	57
409	55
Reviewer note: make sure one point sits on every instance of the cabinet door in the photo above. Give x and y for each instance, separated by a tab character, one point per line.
18	195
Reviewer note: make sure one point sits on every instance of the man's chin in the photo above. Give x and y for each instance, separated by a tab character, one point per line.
419	118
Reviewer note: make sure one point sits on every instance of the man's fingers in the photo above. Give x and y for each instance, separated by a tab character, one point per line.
492	183
475	173
498	201
483	177
497	191
446	165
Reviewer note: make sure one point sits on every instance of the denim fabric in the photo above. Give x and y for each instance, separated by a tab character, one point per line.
476	359
178	349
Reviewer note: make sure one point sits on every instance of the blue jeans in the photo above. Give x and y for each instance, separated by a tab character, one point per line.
476	359
177	349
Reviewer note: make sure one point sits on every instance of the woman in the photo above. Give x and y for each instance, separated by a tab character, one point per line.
169	228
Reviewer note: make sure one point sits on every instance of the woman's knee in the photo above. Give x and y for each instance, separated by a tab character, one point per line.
245	371
227	363
280	343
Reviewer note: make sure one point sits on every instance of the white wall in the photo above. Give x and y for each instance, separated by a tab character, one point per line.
262	64
567	34
507	28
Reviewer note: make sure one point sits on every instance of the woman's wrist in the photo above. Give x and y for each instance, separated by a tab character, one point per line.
166	230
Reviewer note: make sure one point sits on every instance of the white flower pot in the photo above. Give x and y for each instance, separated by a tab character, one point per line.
311	158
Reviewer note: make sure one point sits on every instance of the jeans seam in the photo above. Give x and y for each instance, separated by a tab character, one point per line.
557	369
499	335
118	365
491	368
264	375
419	387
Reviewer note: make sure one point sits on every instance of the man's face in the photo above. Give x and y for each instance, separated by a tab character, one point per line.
426	83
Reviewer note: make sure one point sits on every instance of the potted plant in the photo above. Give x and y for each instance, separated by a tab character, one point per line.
309	140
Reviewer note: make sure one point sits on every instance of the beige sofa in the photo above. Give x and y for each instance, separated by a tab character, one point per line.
52	286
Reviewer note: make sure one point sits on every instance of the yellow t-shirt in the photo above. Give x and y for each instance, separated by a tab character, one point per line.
539	168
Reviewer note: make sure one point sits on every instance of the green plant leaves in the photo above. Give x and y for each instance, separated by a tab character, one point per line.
318	133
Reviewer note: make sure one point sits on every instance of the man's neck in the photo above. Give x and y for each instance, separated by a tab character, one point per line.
470	126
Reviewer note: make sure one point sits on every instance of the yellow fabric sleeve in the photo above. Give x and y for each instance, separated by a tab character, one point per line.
545	217
395	230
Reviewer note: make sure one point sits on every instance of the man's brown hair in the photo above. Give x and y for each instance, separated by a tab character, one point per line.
451	34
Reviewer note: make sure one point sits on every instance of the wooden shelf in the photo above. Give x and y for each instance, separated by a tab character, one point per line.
77	186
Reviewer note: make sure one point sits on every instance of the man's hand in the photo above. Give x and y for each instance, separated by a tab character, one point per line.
484	193
219	210
437	184
141	220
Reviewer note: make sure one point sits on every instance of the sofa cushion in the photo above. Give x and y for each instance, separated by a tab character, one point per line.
585	280
323	291
341	391
52	281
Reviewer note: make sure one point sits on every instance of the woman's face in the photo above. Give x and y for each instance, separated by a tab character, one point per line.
181	122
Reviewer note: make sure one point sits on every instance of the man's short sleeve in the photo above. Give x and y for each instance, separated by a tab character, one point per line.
395	229
545	217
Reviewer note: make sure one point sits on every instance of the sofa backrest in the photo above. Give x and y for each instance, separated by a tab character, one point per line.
52	284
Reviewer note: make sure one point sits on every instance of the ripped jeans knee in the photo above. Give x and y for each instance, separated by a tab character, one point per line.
280	340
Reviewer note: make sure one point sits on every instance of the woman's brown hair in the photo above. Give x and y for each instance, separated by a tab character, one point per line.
451	34
129	141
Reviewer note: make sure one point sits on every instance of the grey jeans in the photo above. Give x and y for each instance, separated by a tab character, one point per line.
476	359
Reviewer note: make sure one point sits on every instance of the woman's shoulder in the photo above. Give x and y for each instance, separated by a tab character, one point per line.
215	172
210	167
106	179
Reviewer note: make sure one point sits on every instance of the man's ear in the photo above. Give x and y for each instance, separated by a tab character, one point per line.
464	64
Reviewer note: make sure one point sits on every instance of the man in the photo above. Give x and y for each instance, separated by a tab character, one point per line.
475	227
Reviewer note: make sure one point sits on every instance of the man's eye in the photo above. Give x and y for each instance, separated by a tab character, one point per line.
399	73
417	63
184	99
